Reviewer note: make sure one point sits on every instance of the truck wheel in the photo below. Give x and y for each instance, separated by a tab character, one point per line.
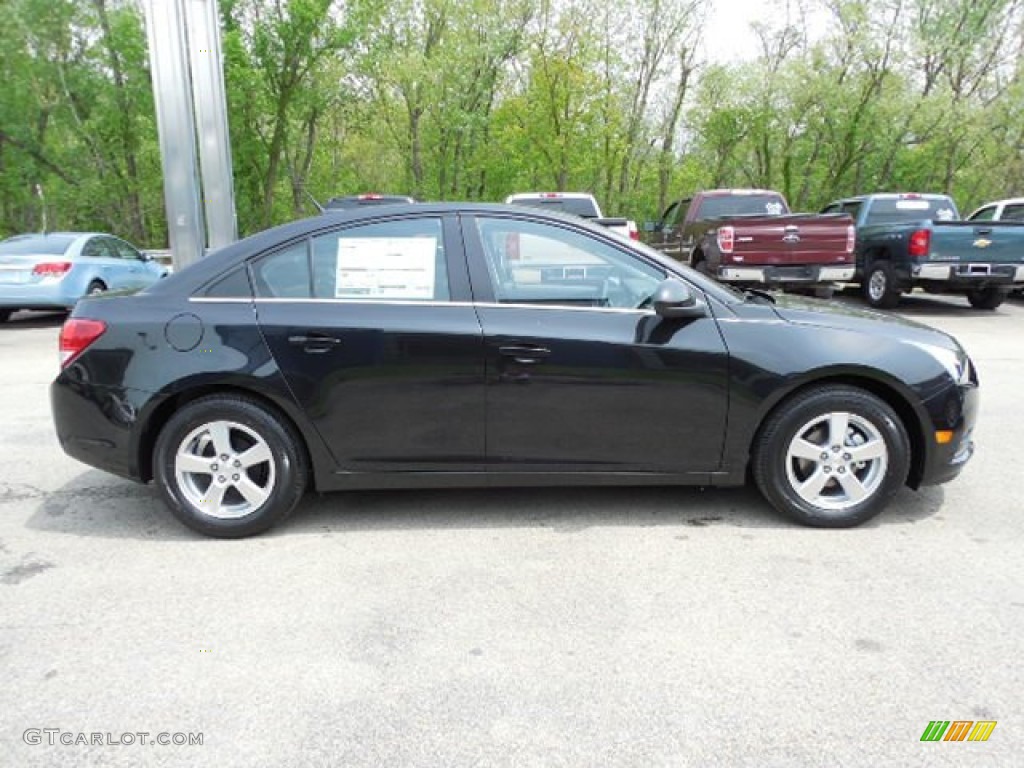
989	297
880	289
5	315
831	457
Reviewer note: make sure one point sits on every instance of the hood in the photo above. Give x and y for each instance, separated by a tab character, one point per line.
842	316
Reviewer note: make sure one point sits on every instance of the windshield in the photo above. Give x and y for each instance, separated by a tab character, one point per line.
897	210
578	206
714	206
36	245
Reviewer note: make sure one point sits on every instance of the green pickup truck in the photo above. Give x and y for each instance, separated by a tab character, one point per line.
915	240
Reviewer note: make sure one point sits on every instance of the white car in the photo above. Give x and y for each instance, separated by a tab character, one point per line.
1011	209
581	204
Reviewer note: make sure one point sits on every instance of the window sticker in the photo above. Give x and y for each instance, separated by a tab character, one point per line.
944	214
773	209
911	205
386	268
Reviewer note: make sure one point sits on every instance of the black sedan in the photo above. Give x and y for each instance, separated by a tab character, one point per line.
487	345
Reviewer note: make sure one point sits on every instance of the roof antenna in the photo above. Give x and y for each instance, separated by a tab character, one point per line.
319	208
42	198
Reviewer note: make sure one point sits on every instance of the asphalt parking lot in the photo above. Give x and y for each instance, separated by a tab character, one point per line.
556	627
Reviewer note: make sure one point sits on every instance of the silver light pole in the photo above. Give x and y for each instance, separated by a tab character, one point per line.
185	59
210	102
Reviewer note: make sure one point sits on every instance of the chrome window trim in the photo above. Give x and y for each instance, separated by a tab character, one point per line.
401	303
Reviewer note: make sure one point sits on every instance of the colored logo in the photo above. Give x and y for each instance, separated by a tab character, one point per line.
958	730
982	242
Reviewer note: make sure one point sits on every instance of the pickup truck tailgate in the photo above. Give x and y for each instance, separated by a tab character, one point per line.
977	242
793	239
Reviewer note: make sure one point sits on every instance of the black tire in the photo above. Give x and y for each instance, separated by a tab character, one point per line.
989	297
5	315
95	287
823	292
880	288
777	471
700	263
280	480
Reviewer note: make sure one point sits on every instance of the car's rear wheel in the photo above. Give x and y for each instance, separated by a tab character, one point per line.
229	467
880	289
5	315
832	456
989	297
95	288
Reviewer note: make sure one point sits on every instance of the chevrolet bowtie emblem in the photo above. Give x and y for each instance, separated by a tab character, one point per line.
982	242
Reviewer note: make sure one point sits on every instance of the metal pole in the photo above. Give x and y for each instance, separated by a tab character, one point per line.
211	120
172	89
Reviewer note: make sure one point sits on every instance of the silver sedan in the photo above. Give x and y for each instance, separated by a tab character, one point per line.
53	271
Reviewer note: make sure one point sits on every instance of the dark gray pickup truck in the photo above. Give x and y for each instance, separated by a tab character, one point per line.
911	240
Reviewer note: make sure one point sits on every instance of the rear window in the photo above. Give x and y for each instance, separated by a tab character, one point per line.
715	206
577	206
894	210
43	245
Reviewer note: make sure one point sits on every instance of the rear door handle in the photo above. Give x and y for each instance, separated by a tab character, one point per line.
315	343
525	355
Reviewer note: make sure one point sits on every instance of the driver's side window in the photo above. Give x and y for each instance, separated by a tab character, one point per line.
536	263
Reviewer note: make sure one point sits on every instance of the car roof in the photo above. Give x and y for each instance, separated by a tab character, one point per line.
893	195
738	191
1005	201
550	195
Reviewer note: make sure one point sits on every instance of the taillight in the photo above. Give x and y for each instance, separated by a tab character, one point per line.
726	239
77	334
634	233
920	241
851	238
51	268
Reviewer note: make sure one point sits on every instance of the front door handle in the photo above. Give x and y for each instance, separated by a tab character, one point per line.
525	355
315	343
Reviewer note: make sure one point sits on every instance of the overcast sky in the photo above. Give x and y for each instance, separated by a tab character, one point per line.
728	36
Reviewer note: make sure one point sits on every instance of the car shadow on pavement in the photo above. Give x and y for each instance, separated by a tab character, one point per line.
924	304
95	504
23	320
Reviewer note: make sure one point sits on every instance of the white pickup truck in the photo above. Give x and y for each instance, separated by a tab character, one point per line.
579	204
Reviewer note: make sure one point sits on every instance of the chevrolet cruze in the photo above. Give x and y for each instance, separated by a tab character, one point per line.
442	345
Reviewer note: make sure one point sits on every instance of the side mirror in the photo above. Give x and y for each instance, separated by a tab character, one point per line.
651	226
674	299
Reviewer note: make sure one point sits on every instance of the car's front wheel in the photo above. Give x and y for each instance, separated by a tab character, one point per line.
831	456
229	467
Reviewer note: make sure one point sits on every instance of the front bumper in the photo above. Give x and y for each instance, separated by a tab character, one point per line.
783	275
957	411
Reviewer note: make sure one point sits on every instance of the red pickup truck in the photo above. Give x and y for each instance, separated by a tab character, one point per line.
749	236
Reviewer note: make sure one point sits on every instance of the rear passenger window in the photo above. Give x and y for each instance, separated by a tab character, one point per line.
1013	213
389	260
283	274
234	285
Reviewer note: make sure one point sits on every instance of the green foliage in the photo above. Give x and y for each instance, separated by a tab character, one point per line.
476	99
